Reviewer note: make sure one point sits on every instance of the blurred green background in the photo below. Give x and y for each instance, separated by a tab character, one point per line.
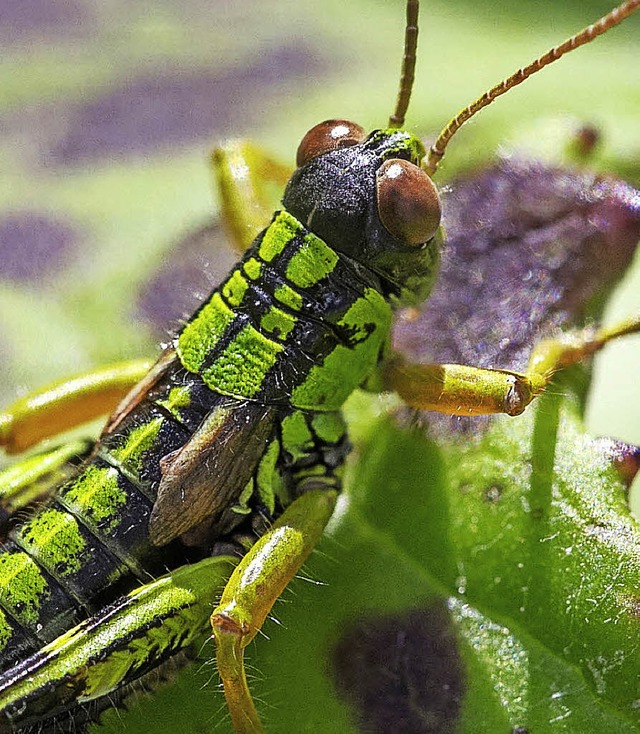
108	111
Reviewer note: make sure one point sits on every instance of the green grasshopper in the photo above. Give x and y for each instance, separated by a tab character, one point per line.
227	453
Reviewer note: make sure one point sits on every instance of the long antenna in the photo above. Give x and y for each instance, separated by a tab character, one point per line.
408	64
617	15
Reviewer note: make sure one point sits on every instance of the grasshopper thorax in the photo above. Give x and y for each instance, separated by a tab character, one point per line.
368	199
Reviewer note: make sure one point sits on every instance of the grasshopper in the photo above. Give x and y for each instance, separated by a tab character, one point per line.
227	452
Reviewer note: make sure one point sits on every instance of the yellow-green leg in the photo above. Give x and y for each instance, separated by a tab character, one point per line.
242	173
462	390
253	588
33	478
67	403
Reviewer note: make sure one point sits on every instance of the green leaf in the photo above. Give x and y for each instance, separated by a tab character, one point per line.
515	590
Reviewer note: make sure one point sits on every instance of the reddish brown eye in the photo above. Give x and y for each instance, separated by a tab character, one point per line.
408	202
327	136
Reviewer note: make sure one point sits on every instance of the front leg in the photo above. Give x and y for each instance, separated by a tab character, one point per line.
463	390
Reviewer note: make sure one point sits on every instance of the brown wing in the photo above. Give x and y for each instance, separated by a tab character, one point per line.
207	475
134	397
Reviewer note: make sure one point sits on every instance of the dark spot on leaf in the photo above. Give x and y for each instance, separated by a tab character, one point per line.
530	248
32	245
537	513
175	108
585	140
519	730
193	267
625	457
493	494
402	673
20	18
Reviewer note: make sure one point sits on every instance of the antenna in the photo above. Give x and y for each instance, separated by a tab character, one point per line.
407	72
617	15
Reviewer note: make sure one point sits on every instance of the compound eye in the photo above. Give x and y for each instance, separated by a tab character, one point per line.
327	136
408	202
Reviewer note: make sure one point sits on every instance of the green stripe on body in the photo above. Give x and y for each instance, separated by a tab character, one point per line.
96	496
297	439
278	235
178	398
329	384
288	297
252	268
54	539
268	478
235	288
130	454
22	587
313	261
242	507
278	323
242	367
202	334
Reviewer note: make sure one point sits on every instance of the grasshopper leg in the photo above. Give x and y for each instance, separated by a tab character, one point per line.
33	478
113	648
67	403
242	173
464	390
256	583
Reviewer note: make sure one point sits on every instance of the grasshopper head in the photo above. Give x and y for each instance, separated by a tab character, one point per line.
367	197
